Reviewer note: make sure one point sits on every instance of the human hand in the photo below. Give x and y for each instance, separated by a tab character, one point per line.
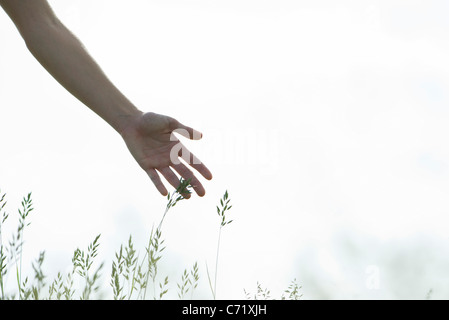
150	139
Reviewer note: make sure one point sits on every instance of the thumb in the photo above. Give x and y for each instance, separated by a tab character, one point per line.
188	132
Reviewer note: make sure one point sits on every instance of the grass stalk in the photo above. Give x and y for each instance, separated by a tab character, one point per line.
221	211
216	259
3	262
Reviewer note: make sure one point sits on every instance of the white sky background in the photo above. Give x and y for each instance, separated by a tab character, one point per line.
327	123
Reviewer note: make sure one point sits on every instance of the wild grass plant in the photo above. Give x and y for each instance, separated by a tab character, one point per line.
291	293
133	275
225	206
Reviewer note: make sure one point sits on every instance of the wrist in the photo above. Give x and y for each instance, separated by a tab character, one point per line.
127	121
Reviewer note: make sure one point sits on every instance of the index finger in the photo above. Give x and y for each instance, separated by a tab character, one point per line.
195	163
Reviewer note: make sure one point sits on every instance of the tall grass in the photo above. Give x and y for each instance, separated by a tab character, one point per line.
15	248
221	211
133	275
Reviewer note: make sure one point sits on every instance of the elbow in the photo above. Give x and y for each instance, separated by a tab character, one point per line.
32	18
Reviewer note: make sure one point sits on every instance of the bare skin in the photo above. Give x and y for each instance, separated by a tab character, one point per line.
148	136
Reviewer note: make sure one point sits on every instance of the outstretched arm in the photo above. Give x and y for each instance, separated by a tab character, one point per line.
149	136
65	58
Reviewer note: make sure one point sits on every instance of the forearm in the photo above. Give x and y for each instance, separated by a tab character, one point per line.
65	58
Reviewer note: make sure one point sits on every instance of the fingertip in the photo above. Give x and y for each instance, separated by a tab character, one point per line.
162	190
197	135
207	174
200	191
